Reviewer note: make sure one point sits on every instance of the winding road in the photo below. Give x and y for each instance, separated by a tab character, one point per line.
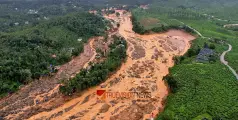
222	59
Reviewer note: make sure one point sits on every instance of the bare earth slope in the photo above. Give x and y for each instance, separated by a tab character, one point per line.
149	57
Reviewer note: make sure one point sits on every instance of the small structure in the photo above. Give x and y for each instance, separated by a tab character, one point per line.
46	18
144	7
103	85
32	11
204	55
80	39
53	56
26	22
16	24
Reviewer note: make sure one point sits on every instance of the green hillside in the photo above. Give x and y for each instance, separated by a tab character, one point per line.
27	54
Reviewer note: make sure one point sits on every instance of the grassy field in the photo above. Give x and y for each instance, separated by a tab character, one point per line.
211	90
145	18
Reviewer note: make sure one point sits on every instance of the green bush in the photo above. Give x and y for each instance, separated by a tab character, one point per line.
212	46
171	82
178	59
191	52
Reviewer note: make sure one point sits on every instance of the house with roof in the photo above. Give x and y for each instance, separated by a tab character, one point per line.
204	55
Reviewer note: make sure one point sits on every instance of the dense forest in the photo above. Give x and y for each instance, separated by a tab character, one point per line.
98	72
28	54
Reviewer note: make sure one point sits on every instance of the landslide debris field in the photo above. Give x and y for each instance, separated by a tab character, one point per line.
149	58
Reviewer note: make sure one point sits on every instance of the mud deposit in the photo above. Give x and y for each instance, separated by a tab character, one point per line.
149	57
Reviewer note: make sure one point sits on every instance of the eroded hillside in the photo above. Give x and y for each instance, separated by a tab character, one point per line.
149	58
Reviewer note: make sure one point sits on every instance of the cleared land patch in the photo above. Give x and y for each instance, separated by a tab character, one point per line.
149	21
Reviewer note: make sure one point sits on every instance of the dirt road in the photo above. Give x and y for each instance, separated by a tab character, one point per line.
230	25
